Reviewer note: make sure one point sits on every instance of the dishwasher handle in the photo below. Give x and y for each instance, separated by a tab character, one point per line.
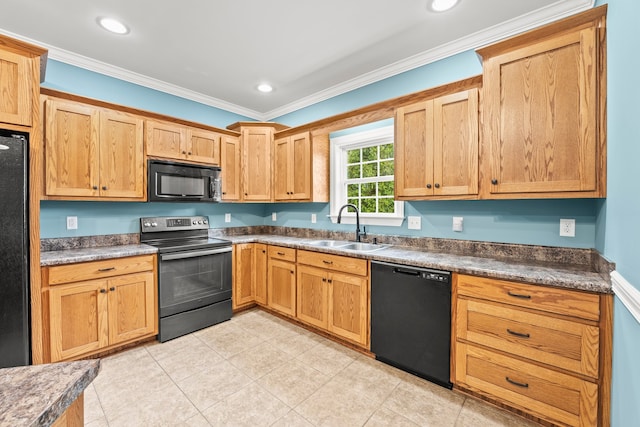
408	272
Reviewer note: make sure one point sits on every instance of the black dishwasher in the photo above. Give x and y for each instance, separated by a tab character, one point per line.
411	319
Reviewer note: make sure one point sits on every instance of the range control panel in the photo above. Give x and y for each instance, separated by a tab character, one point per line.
173	223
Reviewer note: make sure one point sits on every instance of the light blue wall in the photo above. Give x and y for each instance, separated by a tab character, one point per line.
618	233
67	78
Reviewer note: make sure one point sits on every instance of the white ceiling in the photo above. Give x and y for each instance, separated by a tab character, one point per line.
217	51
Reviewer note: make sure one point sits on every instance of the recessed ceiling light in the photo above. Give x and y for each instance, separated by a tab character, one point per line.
265	87
113	25
442	5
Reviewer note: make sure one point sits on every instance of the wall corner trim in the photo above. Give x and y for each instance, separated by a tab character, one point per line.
628	294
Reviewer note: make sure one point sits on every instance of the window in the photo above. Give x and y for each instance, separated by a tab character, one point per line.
362	170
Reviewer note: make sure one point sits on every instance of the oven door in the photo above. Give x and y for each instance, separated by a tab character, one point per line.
193	279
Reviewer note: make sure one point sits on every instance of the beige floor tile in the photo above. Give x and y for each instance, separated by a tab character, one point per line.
183	361
292	419
100	422
92	407
229	339
475	413
370	378
260	360
121	365
266	326
196	421
166	407
160	350
211	386
251	406
425	403
385	418
333	407
298	343
327	358
293	382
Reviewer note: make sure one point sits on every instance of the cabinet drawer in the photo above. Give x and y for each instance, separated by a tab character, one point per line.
70	273
544	392
285	254
334	262
552	300
570	345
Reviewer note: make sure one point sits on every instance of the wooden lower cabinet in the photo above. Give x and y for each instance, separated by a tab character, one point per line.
90	315
333	294
544	351
281	280
260	269
243	275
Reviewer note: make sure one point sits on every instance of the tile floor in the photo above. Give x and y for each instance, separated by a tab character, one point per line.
259	370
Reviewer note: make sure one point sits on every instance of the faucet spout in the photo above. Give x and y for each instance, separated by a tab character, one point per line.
355	208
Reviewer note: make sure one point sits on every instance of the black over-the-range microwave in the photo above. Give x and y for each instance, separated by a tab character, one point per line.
181	182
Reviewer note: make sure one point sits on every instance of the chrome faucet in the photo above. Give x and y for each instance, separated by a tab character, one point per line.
358	234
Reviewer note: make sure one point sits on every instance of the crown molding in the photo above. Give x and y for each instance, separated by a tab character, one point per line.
553	12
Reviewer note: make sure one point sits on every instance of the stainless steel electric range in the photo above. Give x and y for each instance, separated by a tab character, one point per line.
194	274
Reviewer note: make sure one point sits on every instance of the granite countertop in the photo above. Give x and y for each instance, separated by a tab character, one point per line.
37	395
541	273
494	261
70	256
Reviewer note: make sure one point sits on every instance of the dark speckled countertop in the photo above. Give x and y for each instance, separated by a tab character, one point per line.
582	269
37	395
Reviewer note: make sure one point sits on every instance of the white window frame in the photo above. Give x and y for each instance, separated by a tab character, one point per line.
338	155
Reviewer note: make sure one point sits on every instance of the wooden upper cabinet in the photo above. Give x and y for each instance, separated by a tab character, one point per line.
71	148
203	146
230	165
121	155
92	153
166	140
19	81
436	147
292	167
256	145
544	108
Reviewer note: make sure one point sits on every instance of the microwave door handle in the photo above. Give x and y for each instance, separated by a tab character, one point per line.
193	254
212	189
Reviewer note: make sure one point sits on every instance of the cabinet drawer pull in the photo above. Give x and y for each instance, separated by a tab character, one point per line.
518	334
106	269
280	253
512	294
519	384
327	262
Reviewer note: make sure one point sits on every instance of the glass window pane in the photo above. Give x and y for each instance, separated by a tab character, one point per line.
353	156
353	171
368	205
385	188
368	189
353	190
354	202
369	170
386	168
386	151
370	153
386	205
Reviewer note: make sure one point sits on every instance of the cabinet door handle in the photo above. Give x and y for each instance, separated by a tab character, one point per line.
428	185
521	296
106	269
292	271
184	152
103	291
437	185
104	187
324	280
95	187
189	153
494	181
518	334
519	384
113	288
329	280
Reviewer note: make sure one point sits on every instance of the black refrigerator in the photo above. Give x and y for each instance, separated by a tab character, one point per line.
15	333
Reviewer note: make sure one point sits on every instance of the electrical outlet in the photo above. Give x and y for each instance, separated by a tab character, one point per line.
568	227
227	217
414	223
458	223
314	218
274	217
72	223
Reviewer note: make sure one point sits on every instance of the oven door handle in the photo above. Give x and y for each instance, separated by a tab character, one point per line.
194	254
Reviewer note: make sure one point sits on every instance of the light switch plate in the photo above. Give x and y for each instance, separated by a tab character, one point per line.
458	222
227	217
414	222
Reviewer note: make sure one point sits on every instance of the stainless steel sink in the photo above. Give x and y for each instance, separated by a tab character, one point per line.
329	243
363	247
